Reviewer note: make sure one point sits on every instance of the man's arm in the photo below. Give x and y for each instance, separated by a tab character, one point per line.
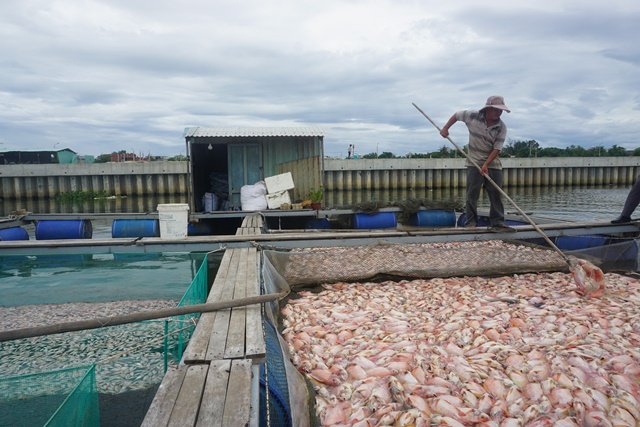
485	167
445	129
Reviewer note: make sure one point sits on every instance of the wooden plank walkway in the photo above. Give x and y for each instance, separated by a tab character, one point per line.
212	384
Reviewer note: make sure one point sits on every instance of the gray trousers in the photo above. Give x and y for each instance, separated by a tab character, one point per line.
633	199
474	185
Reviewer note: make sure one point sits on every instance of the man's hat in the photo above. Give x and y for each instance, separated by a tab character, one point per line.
496	102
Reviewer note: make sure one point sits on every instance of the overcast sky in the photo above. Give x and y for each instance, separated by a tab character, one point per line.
110	75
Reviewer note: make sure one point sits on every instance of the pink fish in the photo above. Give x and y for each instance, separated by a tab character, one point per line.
588	278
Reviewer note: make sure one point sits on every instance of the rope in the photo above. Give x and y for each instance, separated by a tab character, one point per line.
369	207
18	214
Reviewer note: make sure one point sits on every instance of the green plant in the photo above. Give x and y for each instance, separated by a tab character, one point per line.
315	195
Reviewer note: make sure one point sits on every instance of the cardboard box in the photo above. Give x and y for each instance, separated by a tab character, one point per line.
276	199
278	183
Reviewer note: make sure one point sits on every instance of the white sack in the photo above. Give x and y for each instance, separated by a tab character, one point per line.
253	197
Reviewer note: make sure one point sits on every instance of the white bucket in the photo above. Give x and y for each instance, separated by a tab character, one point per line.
174	220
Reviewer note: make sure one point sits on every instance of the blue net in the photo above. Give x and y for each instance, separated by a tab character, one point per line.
275	378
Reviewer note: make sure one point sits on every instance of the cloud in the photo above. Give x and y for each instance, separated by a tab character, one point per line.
96	76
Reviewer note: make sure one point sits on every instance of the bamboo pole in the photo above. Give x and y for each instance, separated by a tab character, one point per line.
80	325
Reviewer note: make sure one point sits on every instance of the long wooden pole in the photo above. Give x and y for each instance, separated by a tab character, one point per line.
80	325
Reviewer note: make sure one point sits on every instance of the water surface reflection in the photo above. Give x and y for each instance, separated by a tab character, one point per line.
583	203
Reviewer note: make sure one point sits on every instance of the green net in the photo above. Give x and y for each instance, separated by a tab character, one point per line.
178	329
66	397
49	374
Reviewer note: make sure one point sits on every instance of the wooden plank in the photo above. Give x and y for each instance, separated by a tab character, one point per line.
255	344
215	393
238	404
160	409
196	350
221	277
218	337
245	221
234	348
185	411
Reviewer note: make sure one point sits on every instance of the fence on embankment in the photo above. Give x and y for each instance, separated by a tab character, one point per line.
157	178
127	178
392	174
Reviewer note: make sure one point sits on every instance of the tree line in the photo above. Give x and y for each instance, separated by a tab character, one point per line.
513	148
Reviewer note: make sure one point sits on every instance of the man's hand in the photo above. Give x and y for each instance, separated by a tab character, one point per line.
444	132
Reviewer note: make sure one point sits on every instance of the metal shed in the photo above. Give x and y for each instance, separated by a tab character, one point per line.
222	160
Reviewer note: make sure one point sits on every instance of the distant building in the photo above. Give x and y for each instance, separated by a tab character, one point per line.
124	157
86	159
38	156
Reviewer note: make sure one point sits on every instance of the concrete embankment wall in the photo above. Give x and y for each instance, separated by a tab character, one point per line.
390	174
149	178
127	178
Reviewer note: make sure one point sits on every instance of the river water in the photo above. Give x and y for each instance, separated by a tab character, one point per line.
578	203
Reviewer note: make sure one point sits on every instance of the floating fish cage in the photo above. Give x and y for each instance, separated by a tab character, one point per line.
460	333
44	380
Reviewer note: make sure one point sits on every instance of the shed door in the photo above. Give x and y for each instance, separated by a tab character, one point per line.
245	168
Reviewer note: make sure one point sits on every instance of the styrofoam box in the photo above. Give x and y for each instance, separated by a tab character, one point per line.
276	199
279	183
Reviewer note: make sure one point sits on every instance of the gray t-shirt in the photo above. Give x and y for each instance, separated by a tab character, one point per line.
483	139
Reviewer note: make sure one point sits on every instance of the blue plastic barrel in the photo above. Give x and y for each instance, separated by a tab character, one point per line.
201	228
317	224
375	220
64	229
14	233
135	228
571	243
433	218
483	221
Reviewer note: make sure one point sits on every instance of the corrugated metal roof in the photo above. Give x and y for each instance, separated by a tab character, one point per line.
257	131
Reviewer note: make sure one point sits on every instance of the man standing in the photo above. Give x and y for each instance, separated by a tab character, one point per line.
487	133
630	204
349	151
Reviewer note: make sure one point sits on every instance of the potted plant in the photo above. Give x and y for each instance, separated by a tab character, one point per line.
316	198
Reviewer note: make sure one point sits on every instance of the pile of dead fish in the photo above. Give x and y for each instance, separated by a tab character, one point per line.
444	259
128	357
510	351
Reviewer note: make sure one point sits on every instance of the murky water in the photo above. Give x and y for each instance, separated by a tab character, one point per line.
586	204
118	205
64	278
582	203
